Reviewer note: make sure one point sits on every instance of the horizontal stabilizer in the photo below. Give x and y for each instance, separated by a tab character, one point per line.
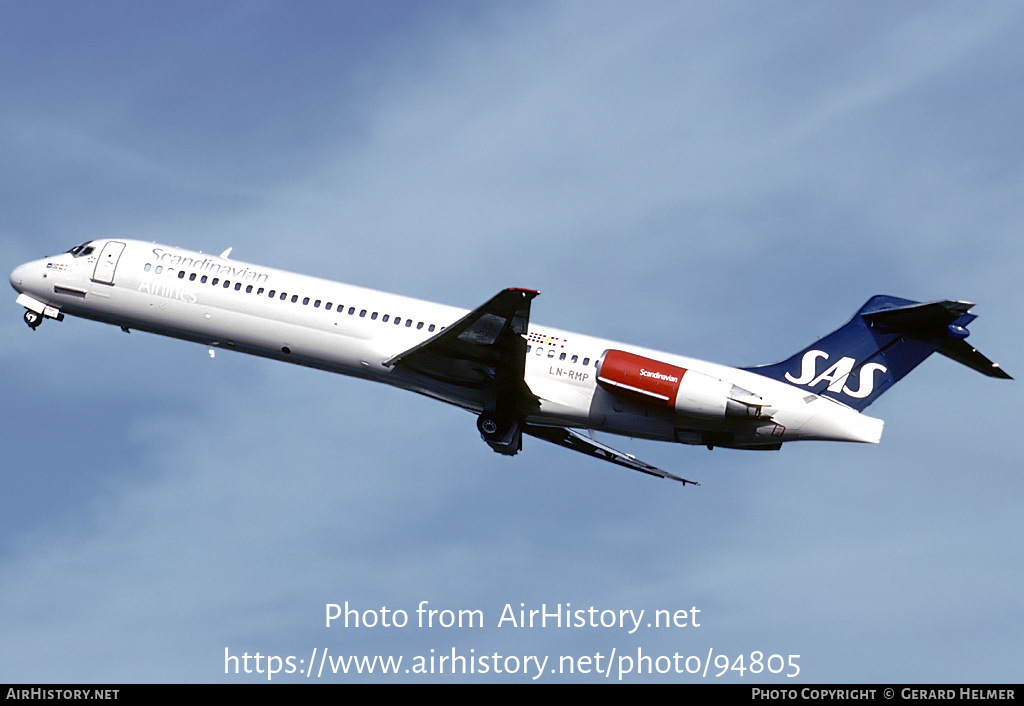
943	321
963	352
923	321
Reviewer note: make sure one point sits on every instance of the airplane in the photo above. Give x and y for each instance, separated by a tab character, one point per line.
517	377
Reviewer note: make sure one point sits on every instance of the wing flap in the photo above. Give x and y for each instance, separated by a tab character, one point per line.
572	439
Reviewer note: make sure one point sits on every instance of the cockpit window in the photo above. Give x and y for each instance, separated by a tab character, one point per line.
82	250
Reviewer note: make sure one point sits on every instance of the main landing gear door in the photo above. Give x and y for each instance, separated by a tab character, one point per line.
107	262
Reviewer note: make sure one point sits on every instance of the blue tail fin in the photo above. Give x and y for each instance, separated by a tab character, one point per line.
884	341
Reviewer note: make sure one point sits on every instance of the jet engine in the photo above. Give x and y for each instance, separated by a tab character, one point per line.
686	391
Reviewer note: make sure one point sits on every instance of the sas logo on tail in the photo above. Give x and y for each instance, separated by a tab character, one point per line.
836	375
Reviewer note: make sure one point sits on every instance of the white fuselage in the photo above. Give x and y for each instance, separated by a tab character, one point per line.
340	328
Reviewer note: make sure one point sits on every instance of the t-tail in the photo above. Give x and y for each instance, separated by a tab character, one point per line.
884	341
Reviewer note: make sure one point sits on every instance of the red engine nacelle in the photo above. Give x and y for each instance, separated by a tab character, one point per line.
686	391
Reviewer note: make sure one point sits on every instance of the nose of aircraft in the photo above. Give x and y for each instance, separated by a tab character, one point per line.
18	277
29	277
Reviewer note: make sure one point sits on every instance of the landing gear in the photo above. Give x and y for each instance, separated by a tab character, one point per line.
487	425
504	435
33	319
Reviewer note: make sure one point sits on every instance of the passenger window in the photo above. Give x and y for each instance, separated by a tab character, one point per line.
362	314
316	304
419	325
272	293
305	301
248	289
181	274
373	316
214	281
386	317
227	284
284	295
238	287
574	358
586	361
192	277
159	269
259	292
431	328
148	267
562	357
295	298
408	323
328	306
352	310
203	280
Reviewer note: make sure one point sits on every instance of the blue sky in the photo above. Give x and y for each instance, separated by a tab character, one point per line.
728	181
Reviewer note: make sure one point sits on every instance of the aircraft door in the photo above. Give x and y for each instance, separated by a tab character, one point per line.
107	262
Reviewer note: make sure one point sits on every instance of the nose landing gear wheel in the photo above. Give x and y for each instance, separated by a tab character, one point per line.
33	319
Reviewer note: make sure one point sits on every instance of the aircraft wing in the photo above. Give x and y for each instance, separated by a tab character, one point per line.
486	348
578	442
